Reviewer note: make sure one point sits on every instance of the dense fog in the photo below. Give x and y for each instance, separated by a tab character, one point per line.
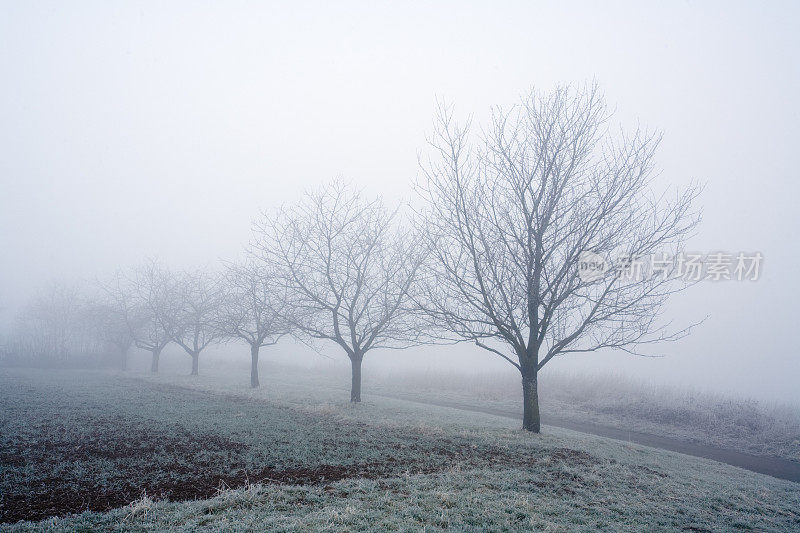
132	132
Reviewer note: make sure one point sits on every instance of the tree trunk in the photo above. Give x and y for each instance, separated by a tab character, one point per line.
124	355
254	365
355	383
530	399
195	363
154	362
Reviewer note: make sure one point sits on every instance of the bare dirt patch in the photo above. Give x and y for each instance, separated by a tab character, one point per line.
165	466
74	454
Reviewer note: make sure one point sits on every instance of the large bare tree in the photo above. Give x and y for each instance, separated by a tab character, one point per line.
508	213
347	269
254	308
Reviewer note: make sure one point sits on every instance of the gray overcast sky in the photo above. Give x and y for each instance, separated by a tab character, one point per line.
161	129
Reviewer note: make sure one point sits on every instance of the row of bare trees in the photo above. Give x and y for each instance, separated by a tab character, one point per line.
489	255
197	309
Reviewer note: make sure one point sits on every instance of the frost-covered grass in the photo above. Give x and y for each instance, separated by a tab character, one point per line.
403	466
474	500
742	424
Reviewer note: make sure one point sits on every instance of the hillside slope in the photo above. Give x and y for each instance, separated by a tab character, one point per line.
300	458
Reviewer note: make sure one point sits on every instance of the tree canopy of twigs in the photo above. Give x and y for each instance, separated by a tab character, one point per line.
348	271
507	214
254	308
193	322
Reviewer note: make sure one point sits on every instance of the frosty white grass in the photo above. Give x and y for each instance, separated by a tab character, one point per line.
584	484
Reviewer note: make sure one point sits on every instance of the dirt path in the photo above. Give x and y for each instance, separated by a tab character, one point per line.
772	466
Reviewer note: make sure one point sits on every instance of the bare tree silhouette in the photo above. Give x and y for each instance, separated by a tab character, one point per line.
193	320
254	308
507	215
347	269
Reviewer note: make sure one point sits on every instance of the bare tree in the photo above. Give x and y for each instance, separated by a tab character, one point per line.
115	314
193	322
254	309
508	214
347	270
146	300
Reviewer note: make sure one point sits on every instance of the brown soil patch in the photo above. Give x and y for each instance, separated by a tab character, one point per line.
61	470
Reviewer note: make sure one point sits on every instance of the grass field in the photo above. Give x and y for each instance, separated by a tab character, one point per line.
132	452
742	424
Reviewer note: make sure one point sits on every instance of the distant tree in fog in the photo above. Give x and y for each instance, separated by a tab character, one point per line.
195	300
347	269
146	300
58	325
110	325
254	308
116	315
509	212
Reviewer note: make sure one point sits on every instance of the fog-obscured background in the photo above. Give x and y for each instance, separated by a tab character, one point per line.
135	130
